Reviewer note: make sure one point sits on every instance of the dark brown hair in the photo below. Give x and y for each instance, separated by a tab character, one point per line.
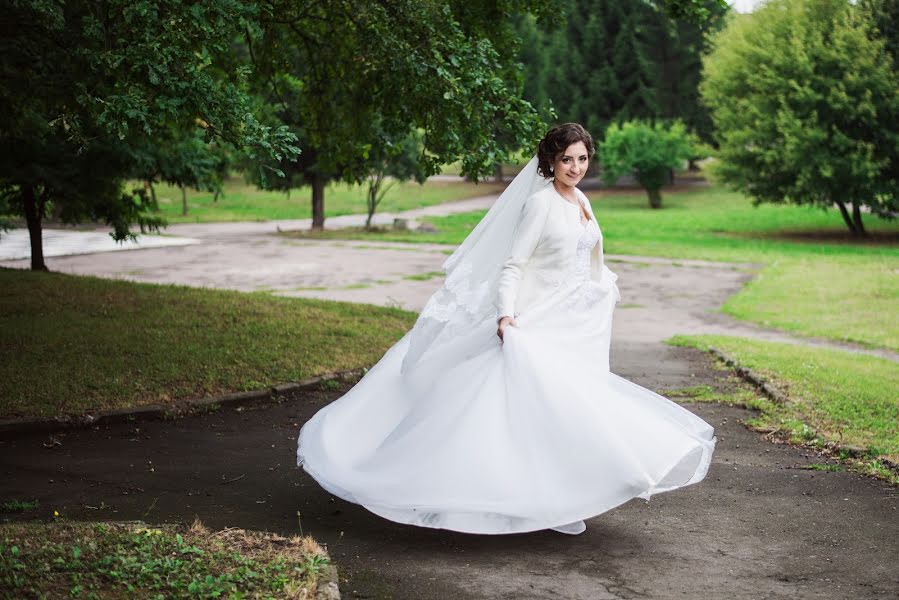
556	141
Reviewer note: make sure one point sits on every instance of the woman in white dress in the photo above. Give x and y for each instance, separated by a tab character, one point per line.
497	413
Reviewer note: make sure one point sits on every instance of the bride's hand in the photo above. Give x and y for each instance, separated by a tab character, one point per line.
503	323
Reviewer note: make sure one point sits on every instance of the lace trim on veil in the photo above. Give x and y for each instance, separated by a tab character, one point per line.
466	297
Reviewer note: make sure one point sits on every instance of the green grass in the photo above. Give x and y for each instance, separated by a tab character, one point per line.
451	230
110	560
244	202
713	223
843	298
834	396
708	223
424	276
18	506
818	280
74	344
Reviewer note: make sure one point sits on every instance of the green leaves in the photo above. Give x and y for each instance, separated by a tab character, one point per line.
347	77
614	61
648	150
86	92
804	98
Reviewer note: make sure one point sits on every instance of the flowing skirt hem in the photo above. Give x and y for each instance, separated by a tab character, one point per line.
496	523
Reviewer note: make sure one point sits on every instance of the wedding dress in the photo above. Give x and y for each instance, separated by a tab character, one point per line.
458	430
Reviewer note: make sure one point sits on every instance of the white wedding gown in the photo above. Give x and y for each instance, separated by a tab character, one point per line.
502	437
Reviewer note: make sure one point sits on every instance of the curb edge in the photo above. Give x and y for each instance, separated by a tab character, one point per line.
330	590
779	397
177	409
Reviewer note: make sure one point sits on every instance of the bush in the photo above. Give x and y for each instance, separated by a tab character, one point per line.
648	150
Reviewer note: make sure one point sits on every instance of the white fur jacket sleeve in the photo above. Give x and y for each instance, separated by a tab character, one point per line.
541	251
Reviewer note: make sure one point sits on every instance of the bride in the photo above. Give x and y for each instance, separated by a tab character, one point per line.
497	413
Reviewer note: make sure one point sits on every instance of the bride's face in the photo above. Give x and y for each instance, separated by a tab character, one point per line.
571	166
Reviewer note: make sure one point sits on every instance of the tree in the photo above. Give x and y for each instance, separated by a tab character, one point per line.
180	156
343	75
677	50
884	15
85	85
803	97
52	173
648	150
396	160
616	60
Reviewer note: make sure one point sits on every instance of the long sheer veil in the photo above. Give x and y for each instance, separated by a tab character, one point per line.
465	300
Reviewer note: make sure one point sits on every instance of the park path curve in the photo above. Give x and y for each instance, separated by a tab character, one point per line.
660	297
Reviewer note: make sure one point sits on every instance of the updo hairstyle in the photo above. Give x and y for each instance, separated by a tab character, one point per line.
556	141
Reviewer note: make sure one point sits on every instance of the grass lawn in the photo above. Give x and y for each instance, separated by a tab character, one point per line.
706	223
118	560
72	344
845	298
834	396
244	202
817	282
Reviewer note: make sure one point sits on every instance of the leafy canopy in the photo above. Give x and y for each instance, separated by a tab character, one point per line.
804	99
615	60
346	77
648	150
87	85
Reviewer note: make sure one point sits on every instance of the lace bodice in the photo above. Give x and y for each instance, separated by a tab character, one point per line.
589	238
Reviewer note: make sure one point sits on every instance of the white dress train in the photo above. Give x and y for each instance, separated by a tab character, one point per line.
503	437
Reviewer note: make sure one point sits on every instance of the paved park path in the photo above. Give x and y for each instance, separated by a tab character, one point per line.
763	524
660	297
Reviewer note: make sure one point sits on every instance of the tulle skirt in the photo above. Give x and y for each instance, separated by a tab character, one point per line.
493	437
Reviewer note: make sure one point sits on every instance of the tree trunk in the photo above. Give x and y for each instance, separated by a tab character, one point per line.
152	193
655	198
183	201
498	172
34	212
372	203
846	218
857	219
318	202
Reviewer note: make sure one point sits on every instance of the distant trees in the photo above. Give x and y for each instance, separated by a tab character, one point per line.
884	16
648	150
392	161
804	98
184	159
617	60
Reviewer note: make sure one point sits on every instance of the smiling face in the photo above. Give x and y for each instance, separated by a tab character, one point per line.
571	165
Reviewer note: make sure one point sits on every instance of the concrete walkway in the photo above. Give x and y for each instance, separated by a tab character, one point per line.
16	244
